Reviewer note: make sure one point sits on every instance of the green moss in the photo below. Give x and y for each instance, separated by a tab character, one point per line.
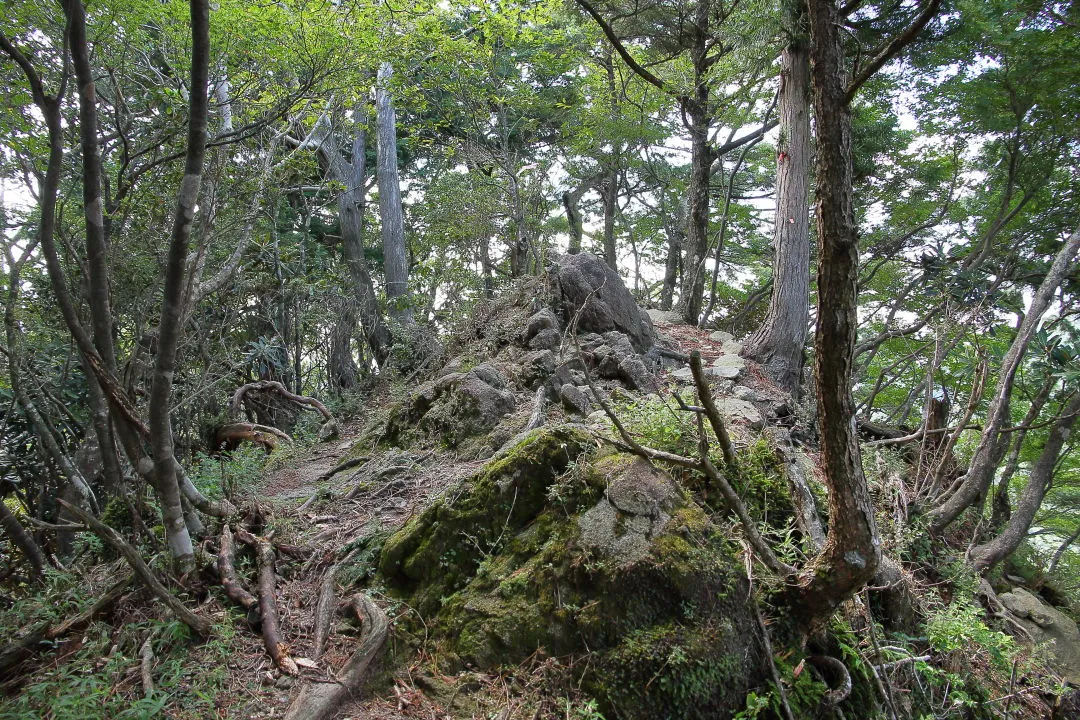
439	551
672	671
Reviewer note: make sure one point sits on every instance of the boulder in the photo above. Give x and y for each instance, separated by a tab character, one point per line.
667	317
546	339
617	360
1047	624
608	557
591	290
536	367
574	399
542	320
453	407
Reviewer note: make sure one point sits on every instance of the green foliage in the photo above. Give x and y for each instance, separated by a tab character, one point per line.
659	425
238	472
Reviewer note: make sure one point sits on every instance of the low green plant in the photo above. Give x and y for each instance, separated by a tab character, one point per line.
240	471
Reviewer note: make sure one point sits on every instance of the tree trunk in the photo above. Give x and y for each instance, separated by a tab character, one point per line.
697	226
676	232
778	343
984	557
609	187
1001	508
342	367
990	449
24	541
852	551
172	310
395	256
573	221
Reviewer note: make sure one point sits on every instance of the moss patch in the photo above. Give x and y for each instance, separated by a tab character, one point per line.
669	632
438	551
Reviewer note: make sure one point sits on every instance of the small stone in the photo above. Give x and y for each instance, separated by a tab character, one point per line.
543	320
737	410
728	366
574	399
284	682
683	373
546	339
536	367
721	337
741	392
668	317
731	348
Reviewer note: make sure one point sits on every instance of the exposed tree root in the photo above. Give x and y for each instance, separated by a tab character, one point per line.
234	590
15	653
274	386
324	612
317	701
230	436
110	537
271	633
347	465
836	676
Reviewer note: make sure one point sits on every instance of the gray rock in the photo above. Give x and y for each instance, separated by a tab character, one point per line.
543	320
742	392
574	399
1047	625
617	360
740	411
536	367
728	366
572	371
725	372
490	375
683	374
721	337
594	292
669	317
635	508
546	339
731	348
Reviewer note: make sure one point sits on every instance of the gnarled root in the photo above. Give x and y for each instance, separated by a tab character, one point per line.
836	675
271	633
320	700
226	565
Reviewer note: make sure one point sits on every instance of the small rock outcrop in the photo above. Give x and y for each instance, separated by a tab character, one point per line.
455	406
549	548
586	284
1046	624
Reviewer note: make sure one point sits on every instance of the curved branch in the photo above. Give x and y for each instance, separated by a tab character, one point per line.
888	51
616	43
275	386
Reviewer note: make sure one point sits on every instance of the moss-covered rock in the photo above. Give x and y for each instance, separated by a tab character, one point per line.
438	551
543	549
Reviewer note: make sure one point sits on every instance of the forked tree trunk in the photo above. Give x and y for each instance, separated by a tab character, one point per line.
778	343
984	557
852	551
172	306
991	449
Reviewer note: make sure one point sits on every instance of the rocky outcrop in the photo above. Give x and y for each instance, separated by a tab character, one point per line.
1046	624
547	548
589	289
454	406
